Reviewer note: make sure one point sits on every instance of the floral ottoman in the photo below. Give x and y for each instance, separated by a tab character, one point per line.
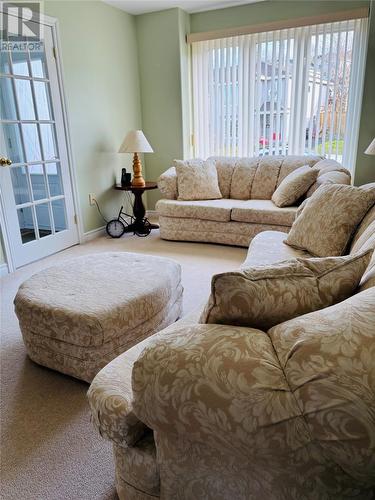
79	315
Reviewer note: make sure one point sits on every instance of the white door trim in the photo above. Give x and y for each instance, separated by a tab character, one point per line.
53	23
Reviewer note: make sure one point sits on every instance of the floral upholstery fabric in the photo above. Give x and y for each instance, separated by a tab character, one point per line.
293	162
243	177
326	224
263	212
239	179
110	394
77	316
363	239
265	178
267	248
328	359
138	466
197	180
264	296
294	186
167	184
224	166
235	429
224	210
330	172
215	210
227	422
225	233
85	362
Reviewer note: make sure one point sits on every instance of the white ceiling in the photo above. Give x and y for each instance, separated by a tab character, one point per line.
143	6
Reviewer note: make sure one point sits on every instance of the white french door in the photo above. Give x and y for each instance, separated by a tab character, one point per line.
36	187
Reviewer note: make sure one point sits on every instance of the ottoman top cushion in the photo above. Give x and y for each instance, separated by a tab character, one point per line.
92	299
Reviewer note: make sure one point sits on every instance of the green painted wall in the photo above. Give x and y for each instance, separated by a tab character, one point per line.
99	52
100	62
162	52
262	12
365	165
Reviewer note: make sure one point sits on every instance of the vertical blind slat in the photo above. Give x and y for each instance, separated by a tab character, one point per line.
342	90
250	129
325	121
333	103
288	91
313	83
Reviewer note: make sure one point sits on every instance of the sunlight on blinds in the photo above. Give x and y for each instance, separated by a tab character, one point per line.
291	91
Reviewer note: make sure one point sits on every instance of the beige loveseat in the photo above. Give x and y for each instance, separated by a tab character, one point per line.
236	413
246	209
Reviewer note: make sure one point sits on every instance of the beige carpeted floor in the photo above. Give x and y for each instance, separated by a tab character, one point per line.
49	449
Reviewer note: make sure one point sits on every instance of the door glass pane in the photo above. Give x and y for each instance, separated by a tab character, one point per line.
4	62
48	141
58	210
13	145
44	222
25	99
20	187
38	64
8	106
25	220
42	101
20	66
31	140
54	178
38	182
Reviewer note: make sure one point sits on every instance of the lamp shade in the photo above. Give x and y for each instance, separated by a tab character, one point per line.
371	148
135	142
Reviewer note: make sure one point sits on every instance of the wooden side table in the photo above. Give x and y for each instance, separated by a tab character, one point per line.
140	225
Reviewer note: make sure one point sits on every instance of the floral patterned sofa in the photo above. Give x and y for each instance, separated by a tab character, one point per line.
207	411
247	185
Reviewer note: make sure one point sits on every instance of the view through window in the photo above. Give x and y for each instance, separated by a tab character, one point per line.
292	91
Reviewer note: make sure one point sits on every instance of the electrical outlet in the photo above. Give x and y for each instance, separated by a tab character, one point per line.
91	199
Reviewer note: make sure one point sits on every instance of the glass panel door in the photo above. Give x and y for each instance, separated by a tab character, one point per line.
36	186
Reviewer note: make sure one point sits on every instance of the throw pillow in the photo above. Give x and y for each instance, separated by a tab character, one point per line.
328	220
294	186
197	180
264	296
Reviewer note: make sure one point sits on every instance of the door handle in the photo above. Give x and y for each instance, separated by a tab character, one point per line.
5	162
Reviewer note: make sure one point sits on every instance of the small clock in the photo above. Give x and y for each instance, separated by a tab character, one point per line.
115	228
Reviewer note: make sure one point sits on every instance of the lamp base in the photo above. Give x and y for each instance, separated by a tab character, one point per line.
138	180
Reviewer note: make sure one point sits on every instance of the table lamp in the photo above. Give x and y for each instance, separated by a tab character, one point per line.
371	148
135	142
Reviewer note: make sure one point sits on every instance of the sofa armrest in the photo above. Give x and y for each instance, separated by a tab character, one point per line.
167	184
218	385
110	400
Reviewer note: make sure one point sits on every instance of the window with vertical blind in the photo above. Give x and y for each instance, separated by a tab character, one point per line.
290	91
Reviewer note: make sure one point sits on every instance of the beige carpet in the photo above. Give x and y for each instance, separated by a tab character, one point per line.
49	449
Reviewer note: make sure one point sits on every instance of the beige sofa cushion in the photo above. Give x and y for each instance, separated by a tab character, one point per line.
243	178
224	166
330	172
326	224
263	212
265	178
292	162
294	186
167	184
215	210
264	296
267	248
364	238
197	180
328	357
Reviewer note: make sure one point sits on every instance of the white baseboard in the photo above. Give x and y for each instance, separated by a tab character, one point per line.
4	269
94	233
